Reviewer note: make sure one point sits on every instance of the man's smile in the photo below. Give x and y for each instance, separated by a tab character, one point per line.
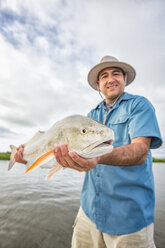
112	85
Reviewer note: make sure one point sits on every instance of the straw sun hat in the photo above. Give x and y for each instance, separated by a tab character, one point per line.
110	61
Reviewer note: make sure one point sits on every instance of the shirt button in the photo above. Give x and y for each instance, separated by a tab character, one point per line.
97	194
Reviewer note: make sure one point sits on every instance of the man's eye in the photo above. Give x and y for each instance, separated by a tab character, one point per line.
116	73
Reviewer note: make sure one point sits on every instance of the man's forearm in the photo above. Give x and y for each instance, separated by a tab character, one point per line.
127	155
132	154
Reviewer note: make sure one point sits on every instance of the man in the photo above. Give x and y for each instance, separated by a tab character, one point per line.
118	192
117	200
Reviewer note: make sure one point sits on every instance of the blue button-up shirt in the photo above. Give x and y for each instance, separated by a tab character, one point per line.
120	199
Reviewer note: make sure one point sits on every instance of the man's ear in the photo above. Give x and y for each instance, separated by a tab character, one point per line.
98	87
125	79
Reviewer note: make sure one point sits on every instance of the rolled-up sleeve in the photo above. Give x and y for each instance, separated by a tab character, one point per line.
143	122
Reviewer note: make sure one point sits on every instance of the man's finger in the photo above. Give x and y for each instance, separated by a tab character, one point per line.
78	160
66	156
19	158
59	157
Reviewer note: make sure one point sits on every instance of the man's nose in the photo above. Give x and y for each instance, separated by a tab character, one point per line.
110	79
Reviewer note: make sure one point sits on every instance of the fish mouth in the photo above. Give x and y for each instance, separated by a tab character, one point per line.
97	148
99	144
103	144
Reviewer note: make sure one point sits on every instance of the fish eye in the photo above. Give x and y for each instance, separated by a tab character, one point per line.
84	131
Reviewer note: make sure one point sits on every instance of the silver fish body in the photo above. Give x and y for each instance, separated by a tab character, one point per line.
88	137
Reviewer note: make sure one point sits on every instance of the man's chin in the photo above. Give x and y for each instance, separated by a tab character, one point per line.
113	96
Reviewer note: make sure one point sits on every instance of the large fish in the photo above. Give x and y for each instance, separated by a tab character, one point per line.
87	137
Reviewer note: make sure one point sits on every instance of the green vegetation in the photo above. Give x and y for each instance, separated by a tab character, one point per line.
5	155
161	160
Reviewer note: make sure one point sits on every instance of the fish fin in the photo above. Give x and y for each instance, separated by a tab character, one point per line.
35	137
54	170
41	160
12	156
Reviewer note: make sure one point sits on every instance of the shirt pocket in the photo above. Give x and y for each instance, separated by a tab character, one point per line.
120	126
119	119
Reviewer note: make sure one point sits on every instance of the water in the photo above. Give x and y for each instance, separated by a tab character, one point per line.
35	213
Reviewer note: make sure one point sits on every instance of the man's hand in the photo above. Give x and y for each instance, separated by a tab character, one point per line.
19	155
72	160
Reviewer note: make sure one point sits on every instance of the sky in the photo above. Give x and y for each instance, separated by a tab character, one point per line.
47	48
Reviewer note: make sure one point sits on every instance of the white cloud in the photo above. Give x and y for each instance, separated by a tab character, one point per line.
48	47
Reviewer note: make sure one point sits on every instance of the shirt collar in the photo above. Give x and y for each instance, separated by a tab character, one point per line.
125	96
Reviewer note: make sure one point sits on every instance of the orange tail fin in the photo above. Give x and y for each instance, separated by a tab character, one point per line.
41	160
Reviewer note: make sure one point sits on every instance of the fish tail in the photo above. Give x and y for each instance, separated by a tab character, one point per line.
41	160
12	156
54	170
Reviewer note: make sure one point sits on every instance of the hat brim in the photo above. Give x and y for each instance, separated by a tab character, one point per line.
93	73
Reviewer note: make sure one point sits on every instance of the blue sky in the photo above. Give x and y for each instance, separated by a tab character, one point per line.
47	48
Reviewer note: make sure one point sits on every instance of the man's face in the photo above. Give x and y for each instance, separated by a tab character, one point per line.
111	83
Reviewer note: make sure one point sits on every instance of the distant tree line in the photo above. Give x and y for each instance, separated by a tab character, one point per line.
6	156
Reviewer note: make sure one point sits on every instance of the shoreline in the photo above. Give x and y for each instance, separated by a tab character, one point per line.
6	156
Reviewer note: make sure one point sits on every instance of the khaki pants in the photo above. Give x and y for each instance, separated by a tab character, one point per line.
85	235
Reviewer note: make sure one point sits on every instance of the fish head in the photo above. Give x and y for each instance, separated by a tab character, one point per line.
87	137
